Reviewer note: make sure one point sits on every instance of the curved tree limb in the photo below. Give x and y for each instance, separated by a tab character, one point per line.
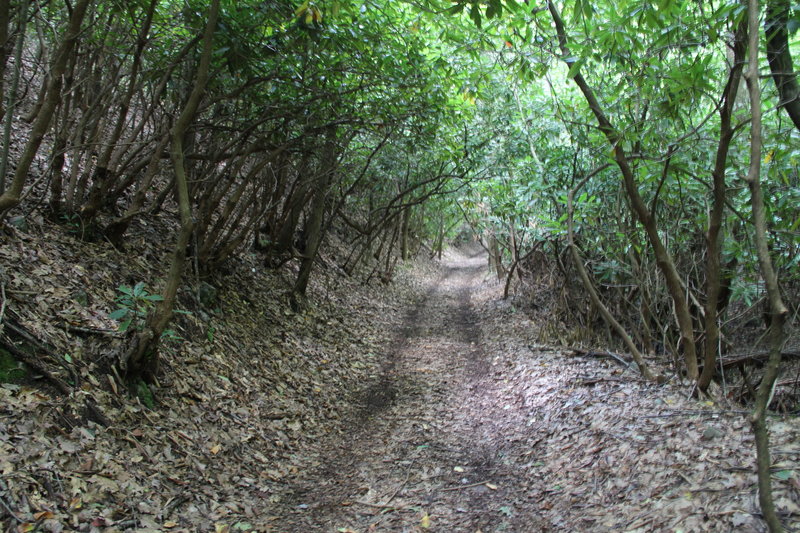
646	218
587	283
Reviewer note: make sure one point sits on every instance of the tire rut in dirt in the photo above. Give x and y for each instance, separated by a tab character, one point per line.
420	419
383	393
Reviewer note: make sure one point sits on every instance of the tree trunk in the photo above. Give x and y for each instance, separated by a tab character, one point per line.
5	20
404	231
103	173
314	230
646	218
116	230
142	357
778	310
714	238
587	284
8	112
780	58
10	197
495	257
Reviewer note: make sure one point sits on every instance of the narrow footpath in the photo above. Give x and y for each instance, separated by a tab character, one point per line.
473	427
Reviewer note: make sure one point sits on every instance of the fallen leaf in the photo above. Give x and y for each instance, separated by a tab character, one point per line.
425	521
75	503
215	449
458	469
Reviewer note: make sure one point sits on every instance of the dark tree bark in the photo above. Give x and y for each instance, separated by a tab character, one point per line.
5	49
714	236
314	228
104	173
780	58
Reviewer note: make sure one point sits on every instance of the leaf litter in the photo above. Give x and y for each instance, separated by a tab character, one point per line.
427	406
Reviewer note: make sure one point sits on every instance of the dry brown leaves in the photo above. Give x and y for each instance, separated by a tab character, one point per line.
606	451
245	387
484	428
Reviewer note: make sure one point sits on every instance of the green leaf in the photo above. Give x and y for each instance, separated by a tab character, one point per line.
456	9
577	10
124	289
138	289
119	314
783	475
575	68
475	15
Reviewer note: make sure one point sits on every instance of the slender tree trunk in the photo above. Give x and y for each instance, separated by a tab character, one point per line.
646	218
496	257
117	228
5	20
714	236
778	310
404	231
587	284
314	230
142	356
8	112
103	173
10	197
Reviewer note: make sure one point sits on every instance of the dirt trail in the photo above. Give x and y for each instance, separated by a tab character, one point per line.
471	427
424	447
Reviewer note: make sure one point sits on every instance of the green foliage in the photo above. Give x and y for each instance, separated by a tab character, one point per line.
133	305
11	370
144	394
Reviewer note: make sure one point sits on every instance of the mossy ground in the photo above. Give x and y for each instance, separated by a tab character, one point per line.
11	370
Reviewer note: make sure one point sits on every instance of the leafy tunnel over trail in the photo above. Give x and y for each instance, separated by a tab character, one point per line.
154	151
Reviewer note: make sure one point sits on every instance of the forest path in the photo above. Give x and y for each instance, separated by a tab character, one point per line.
471	427
427	443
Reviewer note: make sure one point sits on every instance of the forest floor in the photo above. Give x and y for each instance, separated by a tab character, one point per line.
425	405
470	427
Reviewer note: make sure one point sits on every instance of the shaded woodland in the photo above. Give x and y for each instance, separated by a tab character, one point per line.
632	172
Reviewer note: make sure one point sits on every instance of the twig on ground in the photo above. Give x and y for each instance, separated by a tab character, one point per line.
3	306
378	505
91	331
467	486
403	484
10	512
595	353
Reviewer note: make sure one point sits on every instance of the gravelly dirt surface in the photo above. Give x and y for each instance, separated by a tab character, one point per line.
471	427
426	407
424	444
